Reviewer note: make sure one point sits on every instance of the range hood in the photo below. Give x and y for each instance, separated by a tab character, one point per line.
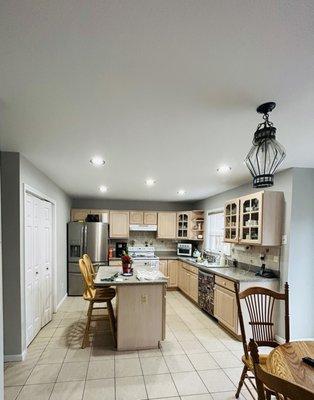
151	228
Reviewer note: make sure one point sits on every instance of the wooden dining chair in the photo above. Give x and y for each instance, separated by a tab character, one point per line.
266	381
88	262
94	296
260	304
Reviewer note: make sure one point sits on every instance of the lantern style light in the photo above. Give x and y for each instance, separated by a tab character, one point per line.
266	153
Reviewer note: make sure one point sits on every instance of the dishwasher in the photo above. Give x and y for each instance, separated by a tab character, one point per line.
206	283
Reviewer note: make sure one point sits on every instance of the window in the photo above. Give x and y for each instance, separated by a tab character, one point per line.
215	233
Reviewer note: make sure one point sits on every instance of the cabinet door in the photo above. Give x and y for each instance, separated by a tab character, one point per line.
231	221
119	224
181	276
225	308
136	217
103	214
183	225
150	218
251	208
167	225
193	287
79	214
173	269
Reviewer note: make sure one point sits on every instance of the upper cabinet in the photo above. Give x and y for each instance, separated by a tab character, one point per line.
78	214
143	217
167	225
231	231
136	217
255	219
119	224
190	225
150	218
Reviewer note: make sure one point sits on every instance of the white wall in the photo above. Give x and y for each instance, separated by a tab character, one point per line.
1	307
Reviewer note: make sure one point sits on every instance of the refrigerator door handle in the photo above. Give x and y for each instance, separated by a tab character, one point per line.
85	239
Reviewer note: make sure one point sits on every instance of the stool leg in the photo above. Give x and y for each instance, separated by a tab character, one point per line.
86	333
112	321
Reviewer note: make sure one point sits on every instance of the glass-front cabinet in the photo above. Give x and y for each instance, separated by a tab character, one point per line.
231	228
255	219
183	225
251	218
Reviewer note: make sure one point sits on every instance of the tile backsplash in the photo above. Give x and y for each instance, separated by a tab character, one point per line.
251	255
149	238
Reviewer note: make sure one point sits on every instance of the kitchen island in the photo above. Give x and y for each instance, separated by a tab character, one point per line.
140	309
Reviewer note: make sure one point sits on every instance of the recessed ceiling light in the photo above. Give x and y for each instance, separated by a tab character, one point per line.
150	182
97	161
103	188
181	192
224	169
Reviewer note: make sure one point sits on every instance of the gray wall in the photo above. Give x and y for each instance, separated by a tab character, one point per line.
1	306
33	177
110	204
10	204
17	171
296	262
301	266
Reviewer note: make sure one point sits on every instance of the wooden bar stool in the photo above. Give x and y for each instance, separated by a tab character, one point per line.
88	262
260	303
93	295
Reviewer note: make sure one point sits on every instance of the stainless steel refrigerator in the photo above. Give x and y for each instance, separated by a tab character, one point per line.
90	238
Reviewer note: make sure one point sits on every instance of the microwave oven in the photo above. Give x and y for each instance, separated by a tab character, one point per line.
184	249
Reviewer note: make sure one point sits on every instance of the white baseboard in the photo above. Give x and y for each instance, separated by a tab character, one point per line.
61	301
15	357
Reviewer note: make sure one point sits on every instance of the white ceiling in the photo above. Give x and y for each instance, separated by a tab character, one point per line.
165	89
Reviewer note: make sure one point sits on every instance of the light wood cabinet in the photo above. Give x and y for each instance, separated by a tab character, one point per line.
79	214
254	219
190	225
150	218
173	270
188	280
167	223
119	224
225	308
136	217
231	221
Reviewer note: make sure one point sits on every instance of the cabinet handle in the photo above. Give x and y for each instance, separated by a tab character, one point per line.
36	272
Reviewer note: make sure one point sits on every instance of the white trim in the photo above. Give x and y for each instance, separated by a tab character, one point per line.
15	357
61	301
43	196
280	339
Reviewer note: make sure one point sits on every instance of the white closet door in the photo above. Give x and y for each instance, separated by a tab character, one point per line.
46	212
29	276
38	264
37	245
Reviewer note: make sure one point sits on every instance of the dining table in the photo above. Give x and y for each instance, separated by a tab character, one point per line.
286	362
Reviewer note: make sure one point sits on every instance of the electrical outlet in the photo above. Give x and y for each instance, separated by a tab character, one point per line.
144	299
276	259
284	239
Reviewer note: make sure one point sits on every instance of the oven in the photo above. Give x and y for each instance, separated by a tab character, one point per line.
206	283
184	249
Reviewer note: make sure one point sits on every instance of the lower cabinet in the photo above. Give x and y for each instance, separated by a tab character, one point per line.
225	308
163	267
173	269
188	280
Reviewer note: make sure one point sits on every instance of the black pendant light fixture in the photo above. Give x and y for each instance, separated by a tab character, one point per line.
266	154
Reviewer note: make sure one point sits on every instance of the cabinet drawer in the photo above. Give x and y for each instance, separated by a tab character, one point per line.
226	283
190	268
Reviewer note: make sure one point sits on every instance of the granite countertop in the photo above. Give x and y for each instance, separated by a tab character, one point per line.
232	273
105	272
235	274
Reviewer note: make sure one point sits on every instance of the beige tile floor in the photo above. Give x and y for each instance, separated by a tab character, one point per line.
197	361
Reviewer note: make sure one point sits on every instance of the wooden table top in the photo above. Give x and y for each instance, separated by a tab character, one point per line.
286	362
